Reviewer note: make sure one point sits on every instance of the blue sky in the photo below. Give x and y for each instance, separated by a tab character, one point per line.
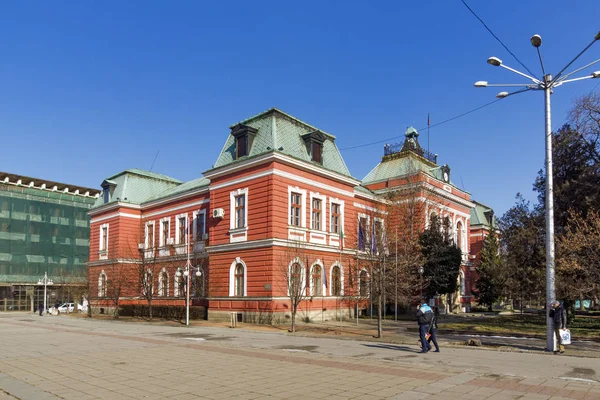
90	88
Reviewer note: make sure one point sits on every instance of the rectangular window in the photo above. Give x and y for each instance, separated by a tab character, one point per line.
362	233
164	231
181	229
240	211
149	236
316	150
295	208
104	238
242	146
316	214
335	218
200	225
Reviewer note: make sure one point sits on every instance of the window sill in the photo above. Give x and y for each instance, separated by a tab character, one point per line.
238	230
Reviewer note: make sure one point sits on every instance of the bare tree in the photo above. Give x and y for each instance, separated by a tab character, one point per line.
293	266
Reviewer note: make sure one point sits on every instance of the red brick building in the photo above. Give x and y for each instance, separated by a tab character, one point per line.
279	202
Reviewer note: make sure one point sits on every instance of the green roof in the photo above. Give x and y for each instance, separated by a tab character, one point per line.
280	132
138	186
483	215
404	164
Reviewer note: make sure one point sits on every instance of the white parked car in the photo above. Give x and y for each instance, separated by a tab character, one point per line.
65	308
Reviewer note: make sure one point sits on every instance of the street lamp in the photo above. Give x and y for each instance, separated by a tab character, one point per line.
46	282
421	270
547	84
186	274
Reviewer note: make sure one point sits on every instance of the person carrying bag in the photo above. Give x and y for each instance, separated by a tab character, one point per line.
559	318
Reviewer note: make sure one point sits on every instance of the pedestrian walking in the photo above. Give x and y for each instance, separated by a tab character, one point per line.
559	318
41	308
432	334
424	316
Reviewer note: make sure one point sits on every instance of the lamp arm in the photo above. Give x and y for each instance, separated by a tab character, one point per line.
577	70
573	60
522	74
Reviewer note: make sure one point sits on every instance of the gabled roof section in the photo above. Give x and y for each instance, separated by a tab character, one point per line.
189	186
277	131
403	161
483	215
135	186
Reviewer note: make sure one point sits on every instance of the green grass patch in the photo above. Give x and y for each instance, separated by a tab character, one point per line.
583	327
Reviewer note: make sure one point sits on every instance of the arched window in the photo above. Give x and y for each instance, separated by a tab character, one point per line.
316	283
363	283
198	284
459	235
148	283
163	283
336	281
463	290
102	284
295	283
179	283
239	280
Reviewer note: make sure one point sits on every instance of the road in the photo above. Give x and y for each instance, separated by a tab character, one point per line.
66	357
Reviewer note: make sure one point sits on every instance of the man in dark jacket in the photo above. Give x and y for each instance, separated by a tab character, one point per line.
432	332
425	316
559	318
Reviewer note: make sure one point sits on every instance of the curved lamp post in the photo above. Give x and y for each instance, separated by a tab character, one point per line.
186	274
547	84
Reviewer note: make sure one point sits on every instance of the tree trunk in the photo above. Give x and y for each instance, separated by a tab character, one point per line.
294	308
150	309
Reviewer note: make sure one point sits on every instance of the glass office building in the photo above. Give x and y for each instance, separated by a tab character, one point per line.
44	229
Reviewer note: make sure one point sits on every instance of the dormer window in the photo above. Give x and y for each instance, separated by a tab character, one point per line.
314	145
108	188
244	135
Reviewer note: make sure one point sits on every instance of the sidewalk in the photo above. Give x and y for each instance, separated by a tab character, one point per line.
77	358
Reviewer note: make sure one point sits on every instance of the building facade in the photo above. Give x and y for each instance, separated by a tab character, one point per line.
278	206
44	229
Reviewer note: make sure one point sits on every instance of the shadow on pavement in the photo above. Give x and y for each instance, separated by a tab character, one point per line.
393	347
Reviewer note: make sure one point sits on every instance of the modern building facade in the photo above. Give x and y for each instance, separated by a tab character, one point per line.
279	205
44	230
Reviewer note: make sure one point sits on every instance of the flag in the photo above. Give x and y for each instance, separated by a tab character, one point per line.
373	239
342	240
361	237
324	277
428	121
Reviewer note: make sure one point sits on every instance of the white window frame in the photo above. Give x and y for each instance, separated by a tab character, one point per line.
103	242
323	218
102	286
198	236
237	261
298	261
320	264
177	290
341	222
149	225
367	233
382	221
358	288
163	285
161	231
178	217
336	264
238	234
302	193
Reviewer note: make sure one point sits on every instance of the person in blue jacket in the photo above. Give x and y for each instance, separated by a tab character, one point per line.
425	317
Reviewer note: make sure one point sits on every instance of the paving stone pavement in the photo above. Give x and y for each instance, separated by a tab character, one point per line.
78	358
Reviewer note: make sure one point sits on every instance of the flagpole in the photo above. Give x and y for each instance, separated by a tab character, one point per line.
428	123
341	286
396	273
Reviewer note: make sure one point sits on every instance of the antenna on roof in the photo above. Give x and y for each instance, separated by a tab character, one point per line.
463	184
152	166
